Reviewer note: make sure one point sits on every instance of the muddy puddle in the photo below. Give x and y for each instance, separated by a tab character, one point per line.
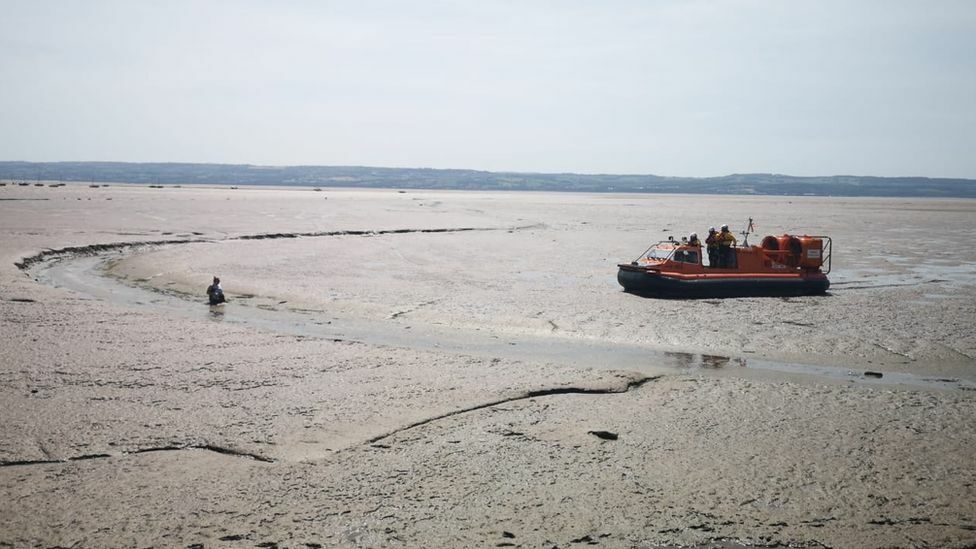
910	272
85	276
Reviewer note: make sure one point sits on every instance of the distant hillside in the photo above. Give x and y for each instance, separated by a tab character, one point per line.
422	178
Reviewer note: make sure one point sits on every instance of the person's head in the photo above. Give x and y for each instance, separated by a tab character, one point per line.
216	280
725	228
711	229
693	236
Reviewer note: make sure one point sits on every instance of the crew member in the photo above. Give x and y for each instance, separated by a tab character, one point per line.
693	240
726	250
711	243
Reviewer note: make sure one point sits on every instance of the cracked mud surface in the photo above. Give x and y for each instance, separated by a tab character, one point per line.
130	426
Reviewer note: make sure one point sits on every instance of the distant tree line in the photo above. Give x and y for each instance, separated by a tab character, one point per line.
426	178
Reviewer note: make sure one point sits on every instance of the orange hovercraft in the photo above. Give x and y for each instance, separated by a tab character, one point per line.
787	265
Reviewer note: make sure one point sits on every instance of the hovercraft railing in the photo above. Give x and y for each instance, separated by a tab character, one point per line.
827	253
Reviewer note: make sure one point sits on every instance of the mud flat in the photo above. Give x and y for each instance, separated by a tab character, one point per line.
461	369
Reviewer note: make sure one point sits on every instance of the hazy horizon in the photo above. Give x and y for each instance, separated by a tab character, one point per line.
675	89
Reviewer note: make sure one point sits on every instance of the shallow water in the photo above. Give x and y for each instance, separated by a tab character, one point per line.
85	276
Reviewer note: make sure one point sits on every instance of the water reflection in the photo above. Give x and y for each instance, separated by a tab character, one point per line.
217	312
692	361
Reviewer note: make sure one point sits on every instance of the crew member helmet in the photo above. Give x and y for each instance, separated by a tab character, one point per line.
725	227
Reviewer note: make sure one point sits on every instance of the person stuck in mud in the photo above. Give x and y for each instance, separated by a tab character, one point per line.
215	292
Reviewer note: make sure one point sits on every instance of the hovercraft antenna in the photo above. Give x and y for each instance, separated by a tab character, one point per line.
745	234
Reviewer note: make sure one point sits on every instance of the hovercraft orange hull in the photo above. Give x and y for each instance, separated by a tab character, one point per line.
784	265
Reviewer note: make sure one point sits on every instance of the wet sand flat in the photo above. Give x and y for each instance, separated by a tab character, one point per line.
387	372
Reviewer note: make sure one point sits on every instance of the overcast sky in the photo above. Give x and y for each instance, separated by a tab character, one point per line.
684	88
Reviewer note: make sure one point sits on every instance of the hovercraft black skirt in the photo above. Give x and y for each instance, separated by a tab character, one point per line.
646	284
